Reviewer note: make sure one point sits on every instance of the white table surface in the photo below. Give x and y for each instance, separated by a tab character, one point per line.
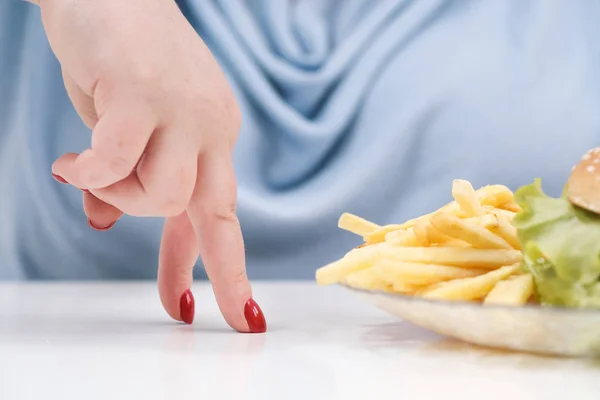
114	341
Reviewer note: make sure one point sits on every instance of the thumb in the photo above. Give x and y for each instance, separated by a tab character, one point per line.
178	254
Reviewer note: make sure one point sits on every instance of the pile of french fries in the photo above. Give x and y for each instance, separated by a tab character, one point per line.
466	251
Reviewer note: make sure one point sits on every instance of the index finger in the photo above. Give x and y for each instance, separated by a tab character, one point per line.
217	228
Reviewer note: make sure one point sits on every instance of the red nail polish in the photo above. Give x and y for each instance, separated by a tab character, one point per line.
98	228
255	317
59	178
187	307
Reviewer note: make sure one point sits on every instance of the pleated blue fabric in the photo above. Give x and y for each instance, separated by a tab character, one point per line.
366	106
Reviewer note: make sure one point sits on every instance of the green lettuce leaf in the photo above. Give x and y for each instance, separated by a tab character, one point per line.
561	247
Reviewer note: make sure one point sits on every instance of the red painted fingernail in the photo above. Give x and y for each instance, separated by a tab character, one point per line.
59	178
255	317
99	228
187	307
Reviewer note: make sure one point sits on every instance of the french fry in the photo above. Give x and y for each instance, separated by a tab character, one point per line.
451	208
488	221
510	206
499	211
406	288
411	222
495	195
459	257
454	243
378	235
514	291
490	196
366	279
395	285
421	274
420	231
469	289
507	231
356	260
467	250
357	225
466	198
425	234
477	236
436	237
402	238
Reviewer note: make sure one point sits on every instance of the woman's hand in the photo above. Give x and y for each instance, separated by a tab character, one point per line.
164	124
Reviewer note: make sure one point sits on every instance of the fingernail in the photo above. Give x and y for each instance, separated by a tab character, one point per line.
100	228
187	307
59	178
85	190
254	317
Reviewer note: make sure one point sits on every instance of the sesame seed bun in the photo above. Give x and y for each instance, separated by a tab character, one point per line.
583	186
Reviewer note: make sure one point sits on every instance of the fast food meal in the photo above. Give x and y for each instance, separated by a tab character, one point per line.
489	245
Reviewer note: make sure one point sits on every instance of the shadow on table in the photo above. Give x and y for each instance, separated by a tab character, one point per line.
403	336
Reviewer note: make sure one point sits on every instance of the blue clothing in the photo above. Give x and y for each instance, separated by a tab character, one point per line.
371	107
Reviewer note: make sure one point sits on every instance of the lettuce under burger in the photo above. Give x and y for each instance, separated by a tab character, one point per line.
561	247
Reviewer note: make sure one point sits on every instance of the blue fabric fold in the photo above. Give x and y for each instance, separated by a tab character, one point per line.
371	107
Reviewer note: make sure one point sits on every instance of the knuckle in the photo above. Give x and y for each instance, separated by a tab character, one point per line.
171	197
219	212
172	207
173	204
221	109
238	278
225	212
120	151
132	136
120	166
140	74
144	74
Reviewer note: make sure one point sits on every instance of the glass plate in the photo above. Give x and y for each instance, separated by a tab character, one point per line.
531	328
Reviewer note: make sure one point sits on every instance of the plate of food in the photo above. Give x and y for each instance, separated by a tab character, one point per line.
518	271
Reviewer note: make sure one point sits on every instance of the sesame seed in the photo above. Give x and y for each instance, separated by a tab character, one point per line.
596	160
591	168
587	156
572	168
593	208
